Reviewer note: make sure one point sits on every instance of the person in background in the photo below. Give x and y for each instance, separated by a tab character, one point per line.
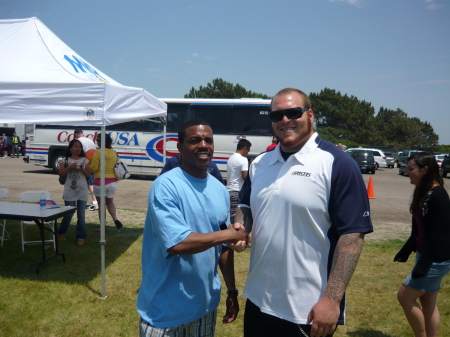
237	169
311	213
110	178
5	146
15	141
341	146
274	143
88	144
75	189
183	245
175	161
430	239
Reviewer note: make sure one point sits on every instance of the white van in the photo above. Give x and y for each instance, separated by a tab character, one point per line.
380	157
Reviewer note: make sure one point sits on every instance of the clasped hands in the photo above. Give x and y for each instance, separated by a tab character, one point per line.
241	243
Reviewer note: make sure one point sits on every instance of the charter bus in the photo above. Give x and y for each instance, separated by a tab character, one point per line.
140	143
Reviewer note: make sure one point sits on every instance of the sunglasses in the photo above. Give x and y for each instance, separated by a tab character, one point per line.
293	113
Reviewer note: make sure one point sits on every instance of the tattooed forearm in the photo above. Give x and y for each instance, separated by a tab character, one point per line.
244	217
345	259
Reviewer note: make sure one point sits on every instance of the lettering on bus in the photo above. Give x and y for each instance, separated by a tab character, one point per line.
264	112
118	138
124	138
66	137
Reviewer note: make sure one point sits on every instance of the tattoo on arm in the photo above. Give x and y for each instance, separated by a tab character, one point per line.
345	258
244	217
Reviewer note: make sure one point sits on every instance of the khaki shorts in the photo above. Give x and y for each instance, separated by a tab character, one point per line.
110	190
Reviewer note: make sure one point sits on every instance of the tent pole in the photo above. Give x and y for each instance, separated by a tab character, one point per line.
164	120
102	209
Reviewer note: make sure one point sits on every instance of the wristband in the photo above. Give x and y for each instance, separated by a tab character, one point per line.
233	292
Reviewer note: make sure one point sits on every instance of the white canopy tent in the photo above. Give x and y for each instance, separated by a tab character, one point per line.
43	81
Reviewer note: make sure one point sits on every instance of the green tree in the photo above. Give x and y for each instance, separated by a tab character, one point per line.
342	117
404	132
223	89
444	148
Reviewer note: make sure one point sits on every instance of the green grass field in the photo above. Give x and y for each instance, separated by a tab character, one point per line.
64	298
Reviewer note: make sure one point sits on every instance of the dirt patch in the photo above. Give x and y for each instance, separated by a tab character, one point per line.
388	231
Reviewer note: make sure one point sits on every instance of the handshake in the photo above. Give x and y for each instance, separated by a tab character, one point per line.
239	237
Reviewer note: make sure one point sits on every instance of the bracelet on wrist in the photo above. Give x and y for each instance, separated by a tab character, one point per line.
233	292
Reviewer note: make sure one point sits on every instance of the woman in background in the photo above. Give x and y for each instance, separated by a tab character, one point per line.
110	178
75	189
430	239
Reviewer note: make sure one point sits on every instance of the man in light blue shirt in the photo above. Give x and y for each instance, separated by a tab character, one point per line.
183	244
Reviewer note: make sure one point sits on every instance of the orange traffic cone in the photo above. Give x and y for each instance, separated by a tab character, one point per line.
370	192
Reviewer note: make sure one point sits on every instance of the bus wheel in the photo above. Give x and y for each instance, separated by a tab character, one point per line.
58	159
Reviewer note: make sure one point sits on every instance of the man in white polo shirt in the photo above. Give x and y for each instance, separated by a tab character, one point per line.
309	209
237	169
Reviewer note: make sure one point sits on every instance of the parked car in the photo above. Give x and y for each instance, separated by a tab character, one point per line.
439	159
390	159
445	166
21	147
402	161
365	160
380	157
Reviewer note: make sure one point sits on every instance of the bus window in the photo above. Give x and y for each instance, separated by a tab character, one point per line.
254	120
218	117
177	115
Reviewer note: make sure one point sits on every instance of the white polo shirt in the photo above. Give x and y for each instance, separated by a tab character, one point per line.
235	165
300	208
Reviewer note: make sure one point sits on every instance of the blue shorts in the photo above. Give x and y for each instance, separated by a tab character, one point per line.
90	180
431	282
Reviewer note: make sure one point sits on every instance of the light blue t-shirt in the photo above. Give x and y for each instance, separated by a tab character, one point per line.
178	289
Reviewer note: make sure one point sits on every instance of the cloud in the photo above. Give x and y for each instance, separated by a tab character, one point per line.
197	55
208	57
350	2
431	4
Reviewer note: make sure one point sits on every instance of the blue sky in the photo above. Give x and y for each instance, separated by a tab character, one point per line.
392	53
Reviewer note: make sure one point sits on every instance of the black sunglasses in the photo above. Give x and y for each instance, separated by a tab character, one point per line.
293	113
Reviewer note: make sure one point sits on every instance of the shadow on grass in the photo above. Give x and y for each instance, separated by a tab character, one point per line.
368	333
82	263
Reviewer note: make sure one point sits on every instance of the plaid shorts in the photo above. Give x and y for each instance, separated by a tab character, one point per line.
203	327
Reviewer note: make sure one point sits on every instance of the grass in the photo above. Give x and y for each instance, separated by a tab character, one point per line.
64	299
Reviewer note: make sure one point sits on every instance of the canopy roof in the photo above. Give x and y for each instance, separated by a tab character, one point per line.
43	81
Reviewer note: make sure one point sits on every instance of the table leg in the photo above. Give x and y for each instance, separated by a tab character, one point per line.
42	228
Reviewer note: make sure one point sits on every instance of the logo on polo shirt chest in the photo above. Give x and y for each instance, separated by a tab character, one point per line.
301	174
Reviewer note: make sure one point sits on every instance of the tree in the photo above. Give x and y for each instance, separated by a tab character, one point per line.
444	148
343	117
222	89
404	132
346	119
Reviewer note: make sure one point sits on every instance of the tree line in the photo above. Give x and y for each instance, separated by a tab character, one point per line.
346	119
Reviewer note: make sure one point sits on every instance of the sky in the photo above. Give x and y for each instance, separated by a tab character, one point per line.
391	53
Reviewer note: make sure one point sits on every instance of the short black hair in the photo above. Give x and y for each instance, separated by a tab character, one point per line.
244	143
78	131
188	124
